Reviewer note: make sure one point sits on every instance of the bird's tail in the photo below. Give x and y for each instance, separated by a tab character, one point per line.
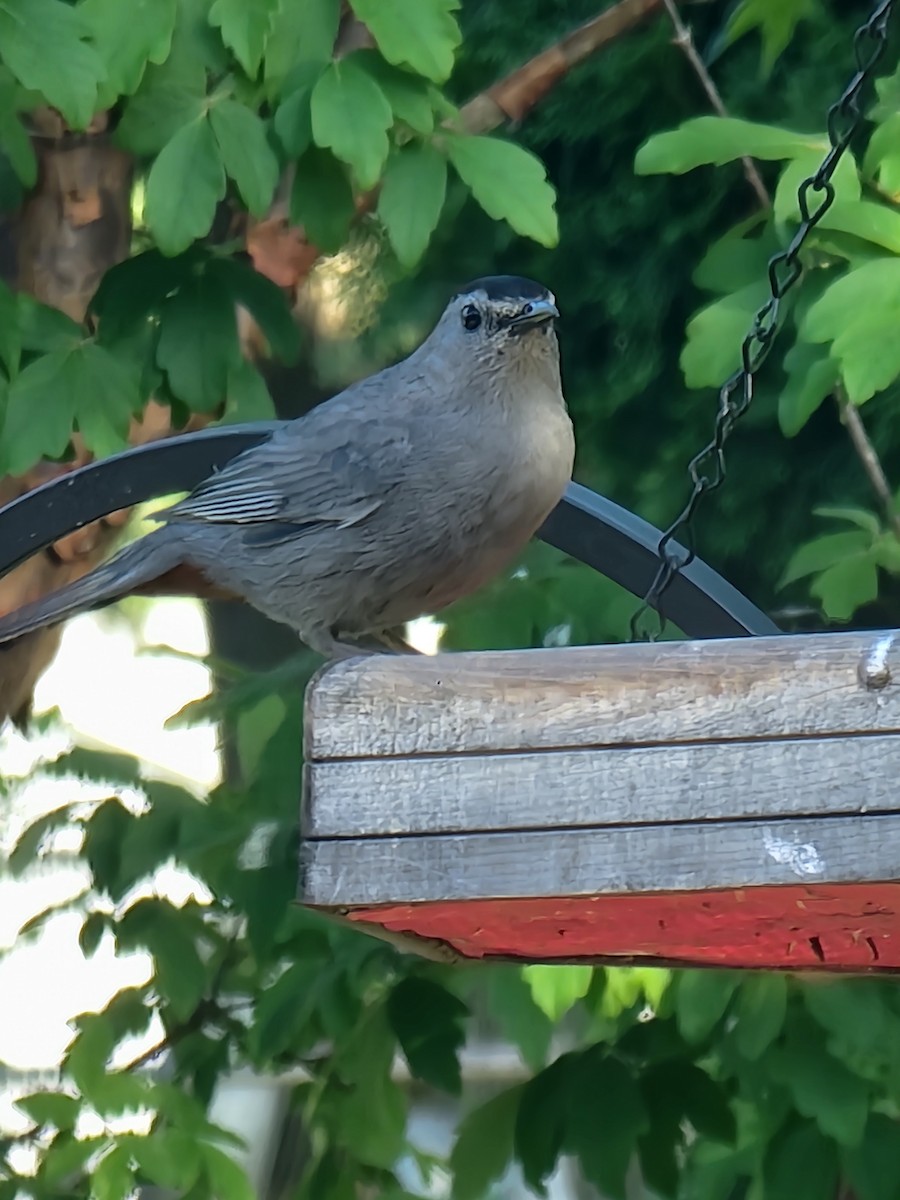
137	564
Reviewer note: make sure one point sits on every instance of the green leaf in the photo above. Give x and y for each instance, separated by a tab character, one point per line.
705	141
351	116
705	1102
45	328
786	204
40	390
170	97
859	517
712	350
812	376
512	1006
865	219
701	998
98	766
16	145
245	26
263	299
371	1116
483	1146
759	1013
411	199
246	396
823	1088
859	1021
41	41
557	988
293	122
10	333
801	1165
91	933
134	289
50	1108
198	342
286	1006
873	1167
847	586
185	184
119	1092
89	1053
106	393
428	1022
103	837
127	37
542	1119
509	183
255	728
301	33
322	200
246	154
113	1178
735	261
606	1117
72	904
409	95
776	23
227	1180
86	387
887	553
14	140
857	314
824	552
167	933
168	1158
32	841
421	34
67	1156
151	839
882	158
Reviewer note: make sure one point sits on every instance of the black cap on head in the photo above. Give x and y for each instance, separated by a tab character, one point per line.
506	287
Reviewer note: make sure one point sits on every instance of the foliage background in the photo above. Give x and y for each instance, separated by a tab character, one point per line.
682	1084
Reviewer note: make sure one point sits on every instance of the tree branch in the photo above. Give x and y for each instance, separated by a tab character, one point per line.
684	40
868	456
283	252
512	98
849	413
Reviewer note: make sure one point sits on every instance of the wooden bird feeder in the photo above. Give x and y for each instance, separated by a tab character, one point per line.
729	803
724	802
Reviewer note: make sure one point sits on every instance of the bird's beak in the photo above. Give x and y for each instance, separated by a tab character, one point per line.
538	312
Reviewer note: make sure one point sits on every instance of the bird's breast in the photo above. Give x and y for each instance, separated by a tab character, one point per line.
521	474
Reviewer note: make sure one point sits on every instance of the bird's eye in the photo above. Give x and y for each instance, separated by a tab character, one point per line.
471	317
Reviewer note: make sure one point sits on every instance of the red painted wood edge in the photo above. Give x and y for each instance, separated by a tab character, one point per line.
834	927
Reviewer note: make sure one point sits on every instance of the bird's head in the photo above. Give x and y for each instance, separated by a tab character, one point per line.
502	321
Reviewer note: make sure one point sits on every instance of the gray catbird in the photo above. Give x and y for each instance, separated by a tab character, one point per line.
403	493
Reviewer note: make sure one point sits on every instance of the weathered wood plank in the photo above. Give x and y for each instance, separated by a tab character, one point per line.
584	788
629	859
806	685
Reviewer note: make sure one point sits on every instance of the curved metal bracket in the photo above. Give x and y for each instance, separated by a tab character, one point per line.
584	525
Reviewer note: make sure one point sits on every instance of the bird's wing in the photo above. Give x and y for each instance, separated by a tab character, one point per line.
333	466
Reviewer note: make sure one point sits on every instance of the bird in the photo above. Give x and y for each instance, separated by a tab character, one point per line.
405	492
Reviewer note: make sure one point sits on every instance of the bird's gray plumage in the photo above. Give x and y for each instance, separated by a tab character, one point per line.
399	495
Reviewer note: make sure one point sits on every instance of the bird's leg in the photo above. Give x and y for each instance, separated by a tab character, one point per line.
339	644
327	643
393	642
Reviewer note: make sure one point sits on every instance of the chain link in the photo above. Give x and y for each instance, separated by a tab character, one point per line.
815	196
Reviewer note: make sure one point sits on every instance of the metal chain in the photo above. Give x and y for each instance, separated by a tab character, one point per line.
707	469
